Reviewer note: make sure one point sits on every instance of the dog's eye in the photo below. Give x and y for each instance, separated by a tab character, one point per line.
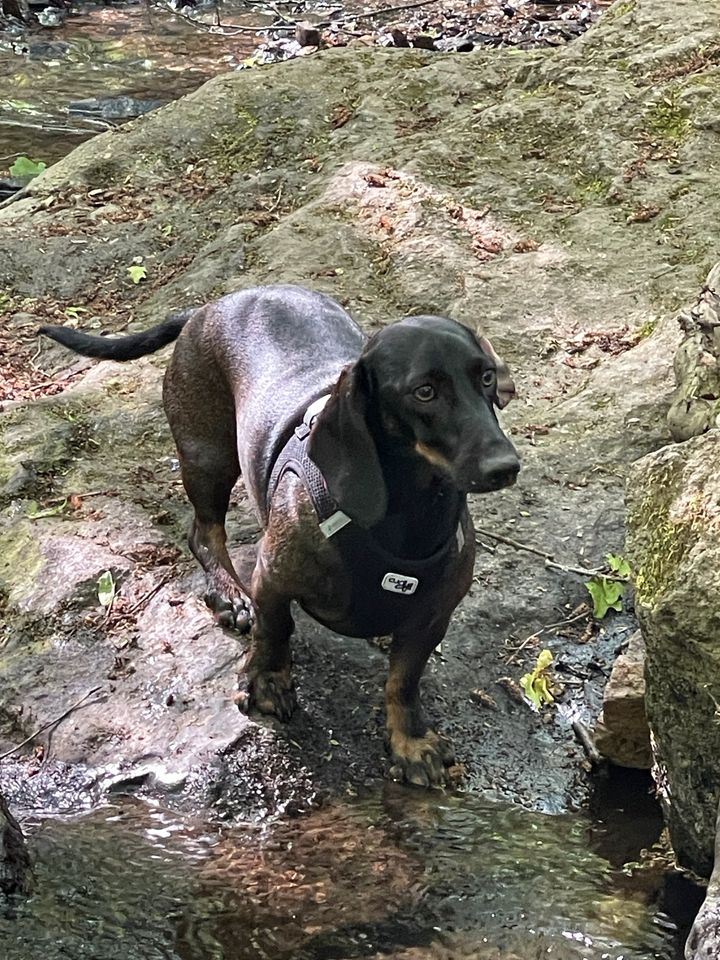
488	378
425	393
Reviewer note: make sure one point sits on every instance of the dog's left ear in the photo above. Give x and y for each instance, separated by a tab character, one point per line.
505	389
343	448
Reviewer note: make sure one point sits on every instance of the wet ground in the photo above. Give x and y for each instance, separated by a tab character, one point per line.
391	873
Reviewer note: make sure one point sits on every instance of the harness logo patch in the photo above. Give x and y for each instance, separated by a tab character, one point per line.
398	583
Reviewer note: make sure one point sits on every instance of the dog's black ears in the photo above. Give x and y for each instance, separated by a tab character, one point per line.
505	389
343	448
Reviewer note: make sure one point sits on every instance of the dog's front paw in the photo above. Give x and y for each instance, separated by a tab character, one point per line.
422	761
271	693
232	607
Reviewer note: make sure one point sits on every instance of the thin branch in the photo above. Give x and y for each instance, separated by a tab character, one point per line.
586	741
372	14
288	26
50	723
549	559
550	626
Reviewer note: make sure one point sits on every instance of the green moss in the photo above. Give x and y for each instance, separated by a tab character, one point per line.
590	190
647	328
665	540
237	149
667	120
21	560
620	9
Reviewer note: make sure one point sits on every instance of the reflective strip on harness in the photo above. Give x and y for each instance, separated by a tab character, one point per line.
335	522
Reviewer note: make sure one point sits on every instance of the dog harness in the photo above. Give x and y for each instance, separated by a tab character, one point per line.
385	589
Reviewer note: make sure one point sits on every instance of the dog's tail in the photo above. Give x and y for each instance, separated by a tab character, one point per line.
121	348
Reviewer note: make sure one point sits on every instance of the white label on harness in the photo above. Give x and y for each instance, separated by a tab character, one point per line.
336	522
398	583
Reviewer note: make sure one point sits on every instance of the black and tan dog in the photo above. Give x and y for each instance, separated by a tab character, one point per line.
357	456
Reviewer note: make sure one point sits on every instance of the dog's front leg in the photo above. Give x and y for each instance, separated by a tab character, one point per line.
419	754
265	683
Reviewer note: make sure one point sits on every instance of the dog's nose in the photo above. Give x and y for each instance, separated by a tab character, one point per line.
500	471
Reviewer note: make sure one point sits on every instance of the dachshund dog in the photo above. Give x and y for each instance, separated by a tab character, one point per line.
357	456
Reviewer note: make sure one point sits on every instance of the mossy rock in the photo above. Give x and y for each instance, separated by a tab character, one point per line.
673	500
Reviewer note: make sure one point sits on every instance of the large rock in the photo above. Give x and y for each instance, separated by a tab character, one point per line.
695	406
622	734
673	500
15	872
704	940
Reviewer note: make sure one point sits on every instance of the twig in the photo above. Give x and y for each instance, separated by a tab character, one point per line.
290	25
549	559
147	595
50	723
550	626
18	195
371	14
221	31
586	742
83	496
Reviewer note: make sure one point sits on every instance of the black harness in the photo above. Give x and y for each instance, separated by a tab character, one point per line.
385	589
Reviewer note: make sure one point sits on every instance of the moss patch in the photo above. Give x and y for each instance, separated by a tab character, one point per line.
668	120
663	540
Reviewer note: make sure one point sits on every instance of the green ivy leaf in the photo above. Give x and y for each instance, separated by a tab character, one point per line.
137	272
606	595
25	167
618	564
33	510
106	588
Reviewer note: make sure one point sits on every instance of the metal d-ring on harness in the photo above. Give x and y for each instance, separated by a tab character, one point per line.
382	584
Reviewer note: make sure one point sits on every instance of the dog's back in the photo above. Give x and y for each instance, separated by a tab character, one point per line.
277	348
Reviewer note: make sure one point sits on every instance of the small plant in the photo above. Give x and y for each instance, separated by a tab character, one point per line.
106	589
538	684
34	511
137	272
25	168
607	591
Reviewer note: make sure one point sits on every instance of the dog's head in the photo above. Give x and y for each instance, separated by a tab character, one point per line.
426	386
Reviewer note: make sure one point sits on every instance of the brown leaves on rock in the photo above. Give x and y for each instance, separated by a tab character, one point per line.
643	214
526	246
380	179
340	115
613	342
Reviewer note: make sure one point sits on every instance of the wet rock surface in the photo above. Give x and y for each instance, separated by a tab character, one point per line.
704	940
489	188
15	871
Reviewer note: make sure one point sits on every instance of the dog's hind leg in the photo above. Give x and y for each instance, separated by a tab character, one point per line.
201	415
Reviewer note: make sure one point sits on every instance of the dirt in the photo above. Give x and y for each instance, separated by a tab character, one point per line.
496	188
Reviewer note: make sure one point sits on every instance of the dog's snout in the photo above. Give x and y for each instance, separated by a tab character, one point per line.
494	471
501	471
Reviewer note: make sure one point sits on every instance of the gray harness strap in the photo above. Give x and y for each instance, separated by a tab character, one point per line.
294	457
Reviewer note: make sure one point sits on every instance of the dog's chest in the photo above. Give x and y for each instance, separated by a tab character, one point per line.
366	591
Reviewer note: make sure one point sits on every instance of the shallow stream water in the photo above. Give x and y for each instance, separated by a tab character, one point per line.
103	51
396	873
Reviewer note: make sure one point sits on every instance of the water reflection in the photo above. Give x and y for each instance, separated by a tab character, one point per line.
397	873
131	51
